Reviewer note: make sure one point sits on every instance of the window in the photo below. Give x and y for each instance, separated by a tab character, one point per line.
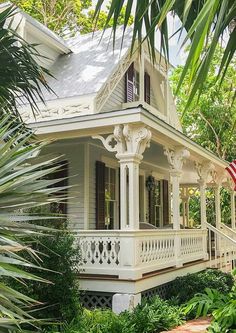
156	204
132	85
110	197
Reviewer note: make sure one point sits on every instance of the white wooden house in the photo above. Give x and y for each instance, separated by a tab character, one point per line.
133	171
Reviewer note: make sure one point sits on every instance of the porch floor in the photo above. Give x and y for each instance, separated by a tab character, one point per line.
193	326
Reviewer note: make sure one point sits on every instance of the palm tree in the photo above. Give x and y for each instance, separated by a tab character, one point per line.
23	180
201	19
21	77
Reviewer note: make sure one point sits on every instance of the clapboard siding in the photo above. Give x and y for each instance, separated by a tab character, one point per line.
153	102
116	98
74	154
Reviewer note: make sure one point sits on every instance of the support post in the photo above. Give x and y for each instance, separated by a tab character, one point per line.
176	158
202	187
204	170
217	206
129	142
129	185
175	177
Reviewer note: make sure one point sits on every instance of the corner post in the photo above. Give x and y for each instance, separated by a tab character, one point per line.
129	142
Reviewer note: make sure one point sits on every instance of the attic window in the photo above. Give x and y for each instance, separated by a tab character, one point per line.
132	85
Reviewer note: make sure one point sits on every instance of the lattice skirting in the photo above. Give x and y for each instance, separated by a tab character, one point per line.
162	291
93	299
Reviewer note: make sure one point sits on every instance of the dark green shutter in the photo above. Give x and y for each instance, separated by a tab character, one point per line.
60	207
100	195
147	87
165	193
129	84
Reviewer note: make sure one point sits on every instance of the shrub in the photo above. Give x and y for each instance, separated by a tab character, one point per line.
152	316
221	307
60	298
185	287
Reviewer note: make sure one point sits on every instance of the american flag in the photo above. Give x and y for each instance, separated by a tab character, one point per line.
232	171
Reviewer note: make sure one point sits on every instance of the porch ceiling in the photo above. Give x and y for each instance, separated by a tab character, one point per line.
103	123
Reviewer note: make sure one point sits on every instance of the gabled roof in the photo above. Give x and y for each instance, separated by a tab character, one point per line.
54	38
91	62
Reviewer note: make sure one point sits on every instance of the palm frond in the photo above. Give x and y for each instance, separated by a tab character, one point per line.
200	19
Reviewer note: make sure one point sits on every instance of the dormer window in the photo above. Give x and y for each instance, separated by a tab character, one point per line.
132	85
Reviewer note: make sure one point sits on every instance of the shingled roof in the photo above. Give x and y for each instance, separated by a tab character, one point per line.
88	66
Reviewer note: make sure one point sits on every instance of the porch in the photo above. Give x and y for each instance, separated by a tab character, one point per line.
145	225
141	173
131	255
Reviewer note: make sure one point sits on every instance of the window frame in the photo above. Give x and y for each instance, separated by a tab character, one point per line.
116	200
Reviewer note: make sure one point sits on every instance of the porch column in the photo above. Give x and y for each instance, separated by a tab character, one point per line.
232	199
203	170
175	177
129	189
129	142
202	187
185	204
176	159
217	205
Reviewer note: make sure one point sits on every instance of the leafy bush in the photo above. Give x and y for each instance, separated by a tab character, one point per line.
185	287
205	303
152	316
221	307
61	258
149	317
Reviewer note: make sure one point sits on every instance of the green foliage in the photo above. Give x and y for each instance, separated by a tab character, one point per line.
20	75
205	303
66	17
211	119
153	316
221	307
61	259
21	187
185	287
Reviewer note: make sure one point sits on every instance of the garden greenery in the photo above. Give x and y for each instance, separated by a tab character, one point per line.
185	287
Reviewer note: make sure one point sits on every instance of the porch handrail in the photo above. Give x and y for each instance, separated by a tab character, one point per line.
229	230
221	234
221	249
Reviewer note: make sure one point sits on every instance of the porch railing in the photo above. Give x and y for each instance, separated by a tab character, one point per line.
221	248
132	254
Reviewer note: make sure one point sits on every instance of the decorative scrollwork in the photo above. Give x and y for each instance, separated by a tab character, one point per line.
127	139
176	158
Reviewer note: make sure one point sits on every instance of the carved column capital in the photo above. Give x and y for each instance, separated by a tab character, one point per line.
128	141
218	178
176	158
204	170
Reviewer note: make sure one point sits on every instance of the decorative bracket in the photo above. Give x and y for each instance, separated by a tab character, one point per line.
176	158
127	139
218	177
204	170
